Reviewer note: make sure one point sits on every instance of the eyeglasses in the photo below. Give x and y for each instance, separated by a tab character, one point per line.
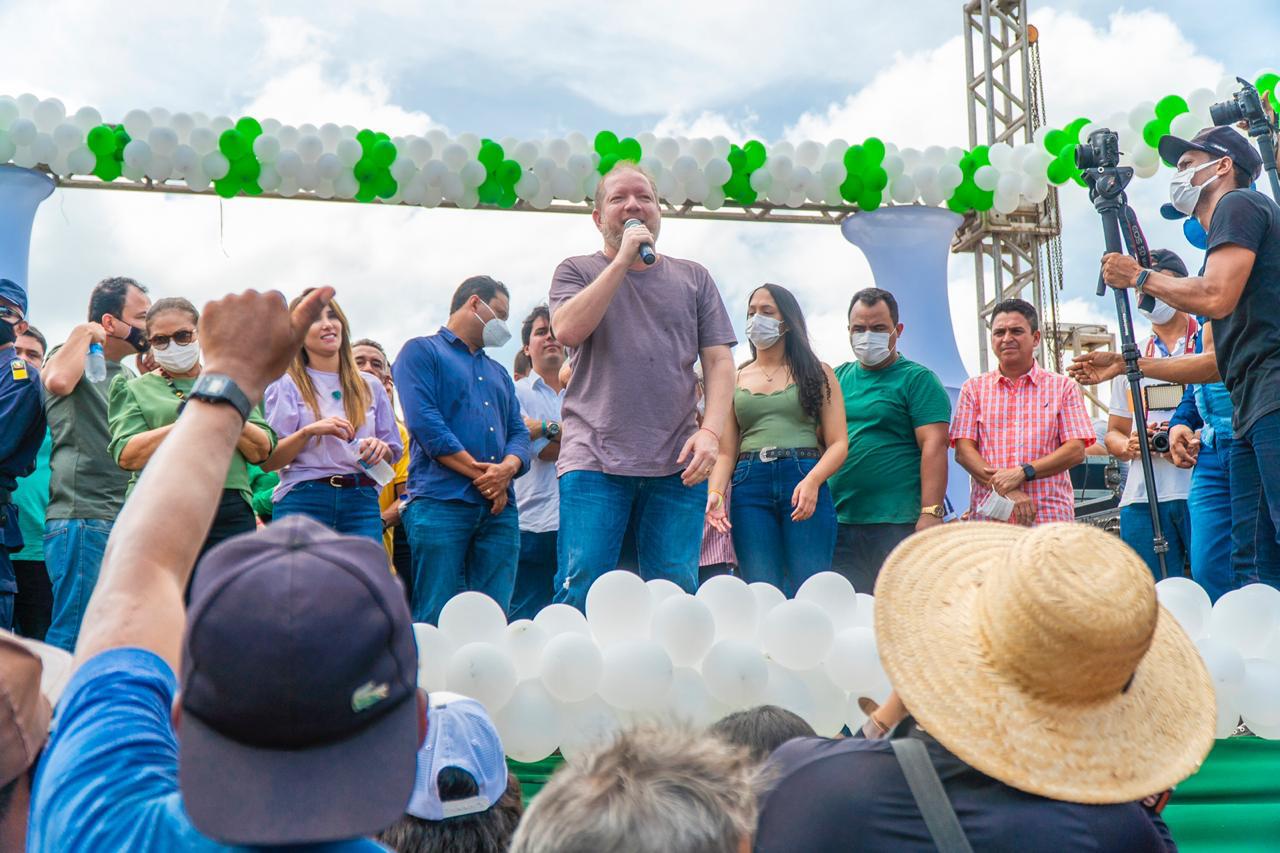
7	312
181	338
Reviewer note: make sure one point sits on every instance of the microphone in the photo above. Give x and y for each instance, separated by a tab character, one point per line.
646	249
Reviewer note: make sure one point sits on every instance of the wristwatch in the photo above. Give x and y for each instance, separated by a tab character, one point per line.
216	388
1028	471
936	510
1141	280
551	430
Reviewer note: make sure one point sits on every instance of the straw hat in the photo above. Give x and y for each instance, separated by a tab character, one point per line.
1041	658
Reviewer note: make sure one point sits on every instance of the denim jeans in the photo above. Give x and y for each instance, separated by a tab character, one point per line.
535	576
6	598
351	511
458	546
1255	503
73	549
1175	524
770	546
861	550
1210	506
594	511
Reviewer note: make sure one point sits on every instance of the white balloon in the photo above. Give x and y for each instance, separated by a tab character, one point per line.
434	171
1035	189
80	161
1187	601
9	113
559	150
269	179
696	187
560	619
419	150
761	180
329	166
586	726
25	157
484	672
185	159
451	187
833	174
1009	184
454	156
893	165
197	181
950	176
8	149
159	116
431	197
434	653
308	176
637	675
781	167
1227	86
787	689
163	141
903	189
329	134
853	662
288	163
1185	126
866	611
203	140
618	607
529	724
830	702
1140	115
23	131
528	186
472	173
579	165
986	178
767	596
719	171
1005	203
160	169
735	672
564	184
473	617
44	149
667	150
833	593
571	666
1245	618
1258	693
1225	665
86	118
67	136
266	148
1227	716
137	154
27	103
525	641
1200	100
660	589
684	167
688	700
1146	171
684	627
701	150
1000	155
288	187
797	634
732	605
808	153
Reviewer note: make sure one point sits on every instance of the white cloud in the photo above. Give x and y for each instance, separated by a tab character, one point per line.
707	123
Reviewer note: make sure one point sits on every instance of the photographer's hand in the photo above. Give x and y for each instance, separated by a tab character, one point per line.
1120	270
1094	368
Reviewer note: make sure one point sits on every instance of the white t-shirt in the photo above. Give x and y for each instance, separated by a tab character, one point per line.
1172	483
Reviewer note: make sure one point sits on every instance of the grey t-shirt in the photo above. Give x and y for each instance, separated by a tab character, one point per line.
630	404
1247	341
84	479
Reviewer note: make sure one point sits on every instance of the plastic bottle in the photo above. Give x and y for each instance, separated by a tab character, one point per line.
95	364
380	472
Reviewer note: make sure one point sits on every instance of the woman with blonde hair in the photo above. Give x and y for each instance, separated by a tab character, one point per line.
334	422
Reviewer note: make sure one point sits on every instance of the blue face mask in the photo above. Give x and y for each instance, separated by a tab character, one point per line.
1195	233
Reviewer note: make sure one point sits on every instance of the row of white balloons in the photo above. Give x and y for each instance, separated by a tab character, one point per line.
435	167
1239	640
651	651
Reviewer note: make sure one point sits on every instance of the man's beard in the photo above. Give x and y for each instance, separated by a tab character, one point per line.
613	236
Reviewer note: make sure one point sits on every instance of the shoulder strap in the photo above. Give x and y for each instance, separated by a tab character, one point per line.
930	796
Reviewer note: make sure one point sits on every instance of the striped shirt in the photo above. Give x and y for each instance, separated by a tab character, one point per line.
1019	421
717	547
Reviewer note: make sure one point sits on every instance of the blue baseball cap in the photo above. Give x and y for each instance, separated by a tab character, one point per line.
459	734
299	689
12	292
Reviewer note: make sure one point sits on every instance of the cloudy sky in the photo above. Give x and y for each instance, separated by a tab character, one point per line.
804	69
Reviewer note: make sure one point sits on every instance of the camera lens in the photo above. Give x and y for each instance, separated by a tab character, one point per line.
1160	442
1085	158
1227	112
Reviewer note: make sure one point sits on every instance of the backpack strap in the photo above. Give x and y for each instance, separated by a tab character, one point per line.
931	798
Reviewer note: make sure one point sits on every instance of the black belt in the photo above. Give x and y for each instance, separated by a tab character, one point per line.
773	454
345	481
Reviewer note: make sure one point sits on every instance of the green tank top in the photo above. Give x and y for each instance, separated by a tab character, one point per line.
773	420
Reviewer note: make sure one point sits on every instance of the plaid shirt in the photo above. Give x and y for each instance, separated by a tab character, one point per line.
1020	421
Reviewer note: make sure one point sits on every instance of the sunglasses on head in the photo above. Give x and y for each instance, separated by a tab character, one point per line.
182	338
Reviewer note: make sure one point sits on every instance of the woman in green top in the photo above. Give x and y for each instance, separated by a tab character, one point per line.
142	410
786	438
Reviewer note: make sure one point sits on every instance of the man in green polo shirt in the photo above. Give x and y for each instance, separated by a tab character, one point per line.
894	479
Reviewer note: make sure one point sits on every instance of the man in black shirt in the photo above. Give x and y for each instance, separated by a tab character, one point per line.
1239	290
1049	689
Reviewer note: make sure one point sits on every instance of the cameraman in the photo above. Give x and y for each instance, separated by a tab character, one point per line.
1239	290
1173	334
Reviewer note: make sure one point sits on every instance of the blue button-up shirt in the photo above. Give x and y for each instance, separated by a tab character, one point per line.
455	400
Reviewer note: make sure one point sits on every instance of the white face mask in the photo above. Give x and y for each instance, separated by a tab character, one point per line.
177	359
496	332
1182	195
871	348
763	331
1160	314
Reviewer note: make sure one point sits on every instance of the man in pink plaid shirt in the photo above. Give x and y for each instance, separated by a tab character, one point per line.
1018	428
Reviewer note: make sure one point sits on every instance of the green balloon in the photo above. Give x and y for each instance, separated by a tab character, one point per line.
959	203
246	169
607	162
102	141
232	145
490	191
855	158
1073	130
982	156
870	200
1171	106
873	151
755	154
108	169
252	188
737	186
629	149
507	198
364	170
385	186
1059	171
606	143
738	161
1055	141
384	153
227	187
983	199
490	154
1267	82
748	197
1153	130
853	187
249	128
366	138
379	136
877	180
508	172
366	192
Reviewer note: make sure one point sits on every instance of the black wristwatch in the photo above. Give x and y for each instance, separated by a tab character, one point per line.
216	388
1028	471
552	430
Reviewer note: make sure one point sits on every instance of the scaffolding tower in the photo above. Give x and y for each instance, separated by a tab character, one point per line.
1017	254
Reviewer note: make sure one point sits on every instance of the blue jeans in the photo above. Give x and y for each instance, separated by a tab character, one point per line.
1255	503
535	576
771	547
73	549
1210	506
456	546
594	511
1175	524
351	511
6	598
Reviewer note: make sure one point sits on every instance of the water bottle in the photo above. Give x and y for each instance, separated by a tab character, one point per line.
95	364
380	472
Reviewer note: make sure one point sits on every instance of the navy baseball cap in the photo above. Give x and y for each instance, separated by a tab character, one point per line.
1216	142
11	292
1166	260
299	689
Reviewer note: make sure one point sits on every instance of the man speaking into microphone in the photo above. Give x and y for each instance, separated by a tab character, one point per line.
637	322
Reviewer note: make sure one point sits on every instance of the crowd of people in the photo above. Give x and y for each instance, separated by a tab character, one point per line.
237	683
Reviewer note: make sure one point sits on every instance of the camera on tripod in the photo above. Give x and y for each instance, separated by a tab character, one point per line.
1102	151
1246	106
